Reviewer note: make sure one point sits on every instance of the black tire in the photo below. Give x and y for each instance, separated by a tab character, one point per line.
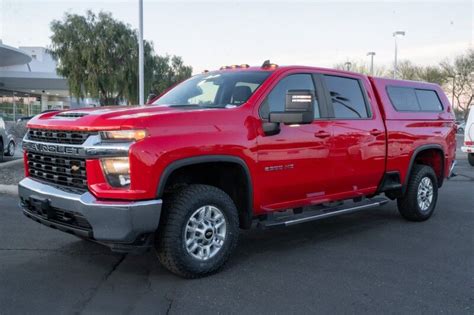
2	150
470	158
8	150
408	205
170	238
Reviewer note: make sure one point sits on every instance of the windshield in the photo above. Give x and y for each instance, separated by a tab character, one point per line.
218	89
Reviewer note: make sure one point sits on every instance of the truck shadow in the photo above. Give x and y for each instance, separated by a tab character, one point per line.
256	242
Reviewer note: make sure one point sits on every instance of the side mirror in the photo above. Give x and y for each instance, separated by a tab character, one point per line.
299	108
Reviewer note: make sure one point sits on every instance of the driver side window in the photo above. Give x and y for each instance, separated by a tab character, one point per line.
275	101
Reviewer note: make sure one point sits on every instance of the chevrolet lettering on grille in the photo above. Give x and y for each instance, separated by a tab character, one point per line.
51	148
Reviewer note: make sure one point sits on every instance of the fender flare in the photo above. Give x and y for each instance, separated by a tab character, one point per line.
208	159
412	161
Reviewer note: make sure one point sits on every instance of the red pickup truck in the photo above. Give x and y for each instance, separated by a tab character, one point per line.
269	145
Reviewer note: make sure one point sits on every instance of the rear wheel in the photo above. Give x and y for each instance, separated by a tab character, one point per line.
198	231
419	201
470	158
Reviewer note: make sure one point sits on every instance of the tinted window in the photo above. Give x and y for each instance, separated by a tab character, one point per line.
403	99
428	100
410	99
275	101
347	98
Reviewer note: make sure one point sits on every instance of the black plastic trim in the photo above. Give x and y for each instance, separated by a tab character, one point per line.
412	162
390	182
85	233
209	159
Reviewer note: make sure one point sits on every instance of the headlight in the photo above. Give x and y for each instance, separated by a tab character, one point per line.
123	135
117	171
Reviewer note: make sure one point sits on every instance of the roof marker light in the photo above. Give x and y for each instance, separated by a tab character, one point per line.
268	65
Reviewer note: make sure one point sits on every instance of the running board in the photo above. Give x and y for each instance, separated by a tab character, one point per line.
318	213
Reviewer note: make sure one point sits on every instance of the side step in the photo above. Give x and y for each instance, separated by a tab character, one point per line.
319	212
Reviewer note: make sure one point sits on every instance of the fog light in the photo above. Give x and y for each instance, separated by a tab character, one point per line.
117	171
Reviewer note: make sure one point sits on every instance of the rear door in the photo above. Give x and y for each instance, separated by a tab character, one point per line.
357	145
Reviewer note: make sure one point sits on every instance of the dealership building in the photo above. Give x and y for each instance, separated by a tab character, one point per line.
29	83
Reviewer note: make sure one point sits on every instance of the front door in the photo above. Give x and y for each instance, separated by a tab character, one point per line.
293	164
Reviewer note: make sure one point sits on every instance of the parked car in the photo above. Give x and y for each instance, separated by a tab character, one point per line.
469	137
24	119
7	141
275	146
460	126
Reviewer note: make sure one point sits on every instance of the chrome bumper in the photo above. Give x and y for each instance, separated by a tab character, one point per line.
110	221
467	149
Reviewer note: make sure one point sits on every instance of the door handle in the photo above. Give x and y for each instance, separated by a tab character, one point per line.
376	132
322	134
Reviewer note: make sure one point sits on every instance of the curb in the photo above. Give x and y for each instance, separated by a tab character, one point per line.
11	163
9	190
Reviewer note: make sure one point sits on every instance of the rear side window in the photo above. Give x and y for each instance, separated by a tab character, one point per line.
414	100
428	100
403	99
347	97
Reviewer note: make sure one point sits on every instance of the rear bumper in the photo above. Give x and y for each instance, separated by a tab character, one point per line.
467	149
108	222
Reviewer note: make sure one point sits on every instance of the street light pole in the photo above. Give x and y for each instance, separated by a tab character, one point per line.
371	54
395	34
141	79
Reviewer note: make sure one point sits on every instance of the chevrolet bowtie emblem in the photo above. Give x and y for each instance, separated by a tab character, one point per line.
75	168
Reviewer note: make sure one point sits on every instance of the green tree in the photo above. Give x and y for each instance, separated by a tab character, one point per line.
168	71
99	57
361	67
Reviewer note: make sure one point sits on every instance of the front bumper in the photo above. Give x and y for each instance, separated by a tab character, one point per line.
108	222
467	149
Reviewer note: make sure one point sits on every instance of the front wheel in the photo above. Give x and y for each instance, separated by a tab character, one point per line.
198	231
11	149
1	151
470	158
419	201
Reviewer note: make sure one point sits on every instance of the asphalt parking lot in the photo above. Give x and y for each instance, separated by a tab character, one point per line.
369	262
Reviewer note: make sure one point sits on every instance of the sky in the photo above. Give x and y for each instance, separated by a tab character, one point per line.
318	33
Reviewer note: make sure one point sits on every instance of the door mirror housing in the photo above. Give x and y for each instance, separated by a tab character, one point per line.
299	108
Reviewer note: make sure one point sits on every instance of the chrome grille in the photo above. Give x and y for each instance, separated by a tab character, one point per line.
59	136
63	171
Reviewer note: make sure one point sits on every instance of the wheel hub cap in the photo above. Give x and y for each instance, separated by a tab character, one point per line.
205	232
425	193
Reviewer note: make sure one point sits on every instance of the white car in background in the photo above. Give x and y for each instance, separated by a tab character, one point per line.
469	137
7	142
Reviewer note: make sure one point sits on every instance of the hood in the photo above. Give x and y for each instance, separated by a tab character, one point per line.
102	118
